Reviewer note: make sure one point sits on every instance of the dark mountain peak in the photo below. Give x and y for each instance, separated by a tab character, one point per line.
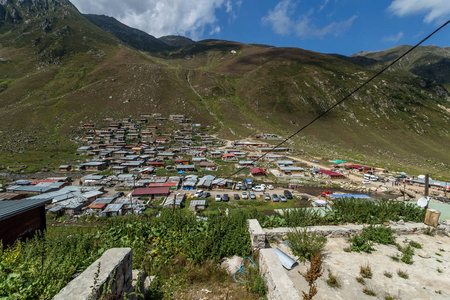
135	38
176	40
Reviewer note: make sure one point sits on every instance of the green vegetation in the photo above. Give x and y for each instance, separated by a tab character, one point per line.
387	274
402	274
360	280
173	245
305	243
372	234
312	274
407	253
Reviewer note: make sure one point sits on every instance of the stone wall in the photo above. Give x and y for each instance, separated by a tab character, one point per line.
258	234
112	273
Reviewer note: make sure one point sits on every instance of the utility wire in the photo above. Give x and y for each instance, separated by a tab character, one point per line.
343	99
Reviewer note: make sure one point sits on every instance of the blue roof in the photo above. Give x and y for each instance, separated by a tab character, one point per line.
356	196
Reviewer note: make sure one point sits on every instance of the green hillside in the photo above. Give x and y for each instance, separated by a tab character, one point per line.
53	80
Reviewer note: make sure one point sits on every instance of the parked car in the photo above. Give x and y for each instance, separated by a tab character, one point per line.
205	195
258	188
283	198
236	197
238	187
270	187
244	195
266	196
244	187
252	195
225	197
366	182
198	193
288	194
218	198
275	198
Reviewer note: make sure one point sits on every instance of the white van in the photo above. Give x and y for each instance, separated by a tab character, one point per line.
258	188
367	176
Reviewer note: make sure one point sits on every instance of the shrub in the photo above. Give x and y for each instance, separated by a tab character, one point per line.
369	234
360	243
305	243
415	245
388	274
360	280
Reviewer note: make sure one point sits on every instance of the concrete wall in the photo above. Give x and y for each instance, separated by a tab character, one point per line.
112	273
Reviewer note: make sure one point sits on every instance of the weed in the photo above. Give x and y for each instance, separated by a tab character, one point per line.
359	244
442	250
368	291
348	249
305	243
388	274
372	234
438	292
395	258
314	272
438	254
438	260
402	274
365	271
360	280
387	297
439	270
430	231
407	253
415	245
332	280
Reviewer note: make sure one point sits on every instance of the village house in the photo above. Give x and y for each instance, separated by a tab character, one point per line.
331	174
258	172
94	166
177	118
186	168
156	164
228	157
162	140
290	170
65	168
152	193
182	161
246	164
207	165
278	149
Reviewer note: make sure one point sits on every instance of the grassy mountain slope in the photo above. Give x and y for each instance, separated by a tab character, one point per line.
83	74
430	62
133	37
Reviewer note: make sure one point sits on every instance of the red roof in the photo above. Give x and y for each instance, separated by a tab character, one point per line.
97	206
181	160
151	191
257	171
330	173
155	163
44	180
228	155
167	184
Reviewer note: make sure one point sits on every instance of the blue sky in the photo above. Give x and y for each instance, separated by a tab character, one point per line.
329	26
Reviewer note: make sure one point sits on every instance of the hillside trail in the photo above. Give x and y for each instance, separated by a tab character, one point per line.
206	105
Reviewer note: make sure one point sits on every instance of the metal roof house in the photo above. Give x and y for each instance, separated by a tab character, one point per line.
21	219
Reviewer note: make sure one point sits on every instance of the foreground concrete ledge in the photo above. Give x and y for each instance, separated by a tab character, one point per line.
115	274
257	234
279	285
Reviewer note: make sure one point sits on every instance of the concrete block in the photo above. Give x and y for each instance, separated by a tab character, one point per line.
278	283
82	287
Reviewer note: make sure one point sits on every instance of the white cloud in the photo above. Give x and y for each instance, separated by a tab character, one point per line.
394	38
282	21
280	18
434	10
163	17
306	29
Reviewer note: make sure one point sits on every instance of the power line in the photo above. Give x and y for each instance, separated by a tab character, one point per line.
343	99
